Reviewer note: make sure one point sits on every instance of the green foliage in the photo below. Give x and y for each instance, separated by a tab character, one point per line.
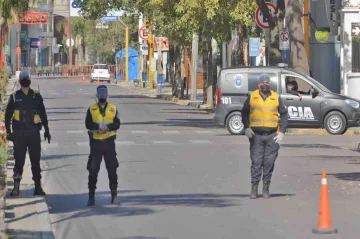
4	154
9	8
3	83
177	19
104	41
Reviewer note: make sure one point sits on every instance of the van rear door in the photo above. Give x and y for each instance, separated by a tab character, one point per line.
302	113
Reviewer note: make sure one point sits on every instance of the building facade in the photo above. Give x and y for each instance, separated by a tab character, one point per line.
350	48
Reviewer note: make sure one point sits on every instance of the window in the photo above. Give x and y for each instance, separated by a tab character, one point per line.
101	67
355	48
253	81
298	85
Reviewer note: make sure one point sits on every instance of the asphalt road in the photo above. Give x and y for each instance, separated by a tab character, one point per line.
181	177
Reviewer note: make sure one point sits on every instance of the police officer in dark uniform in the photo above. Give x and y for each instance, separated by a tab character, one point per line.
260	116
26	112
102	121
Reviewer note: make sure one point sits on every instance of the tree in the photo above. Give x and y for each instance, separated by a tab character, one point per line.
291	11
9	10
102	42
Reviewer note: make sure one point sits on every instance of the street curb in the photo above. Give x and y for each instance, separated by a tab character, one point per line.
317	132
43	215
193	104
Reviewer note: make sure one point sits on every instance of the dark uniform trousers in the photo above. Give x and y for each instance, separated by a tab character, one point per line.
263	153
98	149
27	140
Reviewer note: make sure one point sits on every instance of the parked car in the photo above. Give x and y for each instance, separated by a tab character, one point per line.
319	107
100	72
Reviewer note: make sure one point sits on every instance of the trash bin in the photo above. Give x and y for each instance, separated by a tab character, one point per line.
160	81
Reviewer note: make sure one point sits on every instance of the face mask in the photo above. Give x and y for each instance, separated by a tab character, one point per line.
265	88
102	100
25	82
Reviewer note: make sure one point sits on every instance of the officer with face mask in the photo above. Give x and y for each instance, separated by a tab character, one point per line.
26	112
102	121
260	116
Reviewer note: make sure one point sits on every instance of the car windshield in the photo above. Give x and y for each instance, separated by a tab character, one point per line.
318	84
102	67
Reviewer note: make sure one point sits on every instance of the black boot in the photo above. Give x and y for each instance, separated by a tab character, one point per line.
16	190
254	190
266	193
38	189
91	201
114	197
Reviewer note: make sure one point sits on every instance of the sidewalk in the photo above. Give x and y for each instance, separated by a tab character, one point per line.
26	216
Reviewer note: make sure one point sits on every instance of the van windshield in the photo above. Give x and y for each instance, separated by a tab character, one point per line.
318	84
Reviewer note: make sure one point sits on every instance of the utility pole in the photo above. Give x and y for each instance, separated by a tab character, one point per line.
70	39
127	53
18	48
51	29
195	43
149	25
306	28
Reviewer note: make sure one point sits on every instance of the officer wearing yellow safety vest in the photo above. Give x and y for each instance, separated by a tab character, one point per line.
260	116
26	112
102	121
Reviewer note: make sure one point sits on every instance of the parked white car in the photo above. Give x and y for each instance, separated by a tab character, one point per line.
100	72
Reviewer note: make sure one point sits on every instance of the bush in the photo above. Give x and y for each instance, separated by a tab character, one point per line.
4	80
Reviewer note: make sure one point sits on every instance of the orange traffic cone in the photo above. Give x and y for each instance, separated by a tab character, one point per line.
98	82
83	80
324	223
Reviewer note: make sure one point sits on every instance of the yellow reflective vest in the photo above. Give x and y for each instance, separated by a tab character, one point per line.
16	115
264	113
97	117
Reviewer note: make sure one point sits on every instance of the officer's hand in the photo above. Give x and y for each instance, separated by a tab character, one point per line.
10	137
47	136
249	133
279	137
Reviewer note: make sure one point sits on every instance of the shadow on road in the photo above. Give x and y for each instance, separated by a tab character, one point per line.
353	176
322	146
146	103
198	123
132	205
66	112
61	156
185	112
124	96
65	108
66	120
141	237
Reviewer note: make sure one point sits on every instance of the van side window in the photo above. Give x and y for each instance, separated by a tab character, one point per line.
253	81
298	85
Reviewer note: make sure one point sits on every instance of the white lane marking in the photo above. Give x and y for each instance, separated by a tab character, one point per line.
74	131
124	143
204	132
162	142
139	132
200	141
83	143
46	145
170	132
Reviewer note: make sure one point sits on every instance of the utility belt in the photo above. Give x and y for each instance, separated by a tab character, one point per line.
264	133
